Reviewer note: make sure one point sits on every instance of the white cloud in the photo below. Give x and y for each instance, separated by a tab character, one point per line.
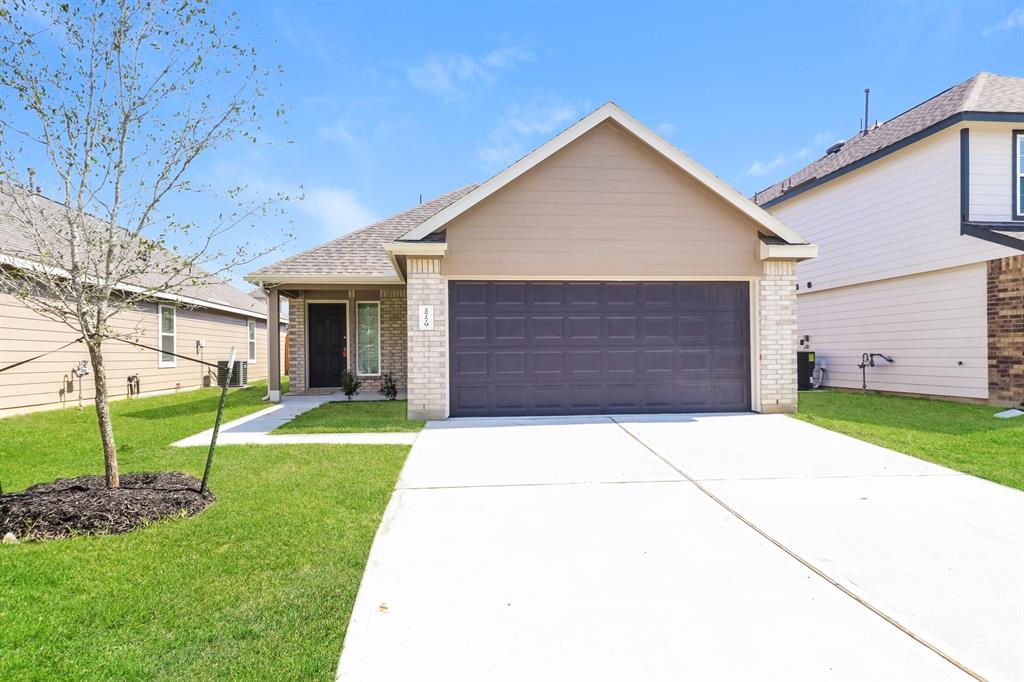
337	211
1014	20
509	139
804	154
666	129
448	75
337	131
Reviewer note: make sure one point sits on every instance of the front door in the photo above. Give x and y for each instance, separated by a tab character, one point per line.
327	348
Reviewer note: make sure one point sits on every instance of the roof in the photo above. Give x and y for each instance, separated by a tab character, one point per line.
608	111
985	93
359	254
17	245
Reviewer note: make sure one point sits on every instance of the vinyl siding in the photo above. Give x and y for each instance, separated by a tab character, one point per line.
927	323
897	216
992	171
604	206
47	383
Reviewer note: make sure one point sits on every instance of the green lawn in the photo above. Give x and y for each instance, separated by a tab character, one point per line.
259	586
962	437
353	417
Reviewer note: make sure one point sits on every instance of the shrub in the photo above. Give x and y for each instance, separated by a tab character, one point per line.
388	387
350	383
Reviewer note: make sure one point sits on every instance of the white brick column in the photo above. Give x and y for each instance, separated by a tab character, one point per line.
776	299
428	349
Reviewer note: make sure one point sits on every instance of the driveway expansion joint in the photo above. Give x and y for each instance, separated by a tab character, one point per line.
807	564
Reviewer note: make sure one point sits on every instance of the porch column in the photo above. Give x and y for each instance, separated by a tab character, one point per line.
273	346
777	341
427	298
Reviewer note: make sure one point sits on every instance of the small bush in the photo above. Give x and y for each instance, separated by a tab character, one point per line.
388	387
350	383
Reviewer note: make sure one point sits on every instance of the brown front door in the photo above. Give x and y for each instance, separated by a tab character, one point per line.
327	347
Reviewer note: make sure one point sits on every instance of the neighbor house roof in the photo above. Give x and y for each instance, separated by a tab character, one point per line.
18	248
358	255
985	96
609	111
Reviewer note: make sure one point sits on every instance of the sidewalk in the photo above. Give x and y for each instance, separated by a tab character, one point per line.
254	429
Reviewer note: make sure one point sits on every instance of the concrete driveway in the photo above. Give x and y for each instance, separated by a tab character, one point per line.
719	547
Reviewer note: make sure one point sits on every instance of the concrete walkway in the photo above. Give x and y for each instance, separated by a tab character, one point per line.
719	547
254	429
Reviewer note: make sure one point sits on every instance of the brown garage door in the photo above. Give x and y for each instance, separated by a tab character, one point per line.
556	348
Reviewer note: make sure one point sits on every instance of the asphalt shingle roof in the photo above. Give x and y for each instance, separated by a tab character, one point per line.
17	242
985	92
359	254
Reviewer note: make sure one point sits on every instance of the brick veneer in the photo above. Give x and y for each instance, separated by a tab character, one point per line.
776	296
1006	330
393	333
297	344
427	350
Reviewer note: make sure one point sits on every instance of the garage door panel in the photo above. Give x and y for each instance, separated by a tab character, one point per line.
521	348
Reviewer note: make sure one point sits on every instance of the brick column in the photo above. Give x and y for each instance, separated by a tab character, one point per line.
776	298
1006	330
394	334
297	344
427	350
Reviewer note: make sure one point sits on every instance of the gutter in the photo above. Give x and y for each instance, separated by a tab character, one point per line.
24	264
1009	117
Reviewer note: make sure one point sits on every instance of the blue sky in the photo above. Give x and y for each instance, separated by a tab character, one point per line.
390	101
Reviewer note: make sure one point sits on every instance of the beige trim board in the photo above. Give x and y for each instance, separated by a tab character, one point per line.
797	252
609	111
288	281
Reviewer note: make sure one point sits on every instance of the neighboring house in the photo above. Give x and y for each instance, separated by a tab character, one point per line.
605	272
920	221
216	313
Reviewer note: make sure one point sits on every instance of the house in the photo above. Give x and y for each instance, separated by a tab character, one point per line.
604	272
202	321
920	221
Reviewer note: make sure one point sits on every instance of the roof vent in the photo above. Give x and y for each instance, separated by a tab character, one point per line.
835	148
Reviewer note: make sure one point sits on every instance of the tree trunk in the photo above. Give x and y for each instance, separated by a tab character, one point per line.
99	374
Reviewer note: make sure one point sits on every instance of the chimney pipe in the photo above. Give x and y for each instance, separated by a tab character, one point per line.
867	97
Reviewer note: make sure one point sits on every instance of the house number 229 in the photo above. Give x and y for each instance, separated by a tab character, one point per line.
426	317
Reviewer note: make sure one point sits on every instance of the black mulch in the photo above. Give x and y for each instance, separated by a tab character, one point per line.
85	506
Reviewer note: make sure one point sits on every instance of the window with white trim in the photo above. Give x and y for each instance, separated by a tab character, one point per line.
168	335
368	338
1018	174
252	340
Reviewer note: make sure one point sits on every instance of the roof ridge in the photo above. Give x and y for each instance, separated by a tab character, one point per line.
974	94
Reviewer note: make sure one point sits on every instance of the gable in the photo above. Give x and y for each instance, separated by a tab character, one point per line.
604	205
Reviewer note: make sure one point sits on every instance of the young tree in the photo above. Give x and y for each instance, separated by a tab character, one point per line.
115	101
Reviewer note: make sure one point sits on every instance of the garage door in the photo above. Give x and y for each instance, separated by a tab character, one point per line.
555	348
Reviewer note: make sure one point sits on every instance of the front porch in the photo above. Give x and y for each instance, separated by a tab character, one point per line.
332	329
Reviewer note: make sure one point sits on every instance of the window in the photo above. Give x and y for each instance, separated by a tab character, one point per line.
368	337
252	340
1018	174
168	333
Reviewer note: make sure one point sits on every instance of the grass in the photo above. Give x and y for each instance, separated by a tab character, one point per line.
353	417
259	586
962	437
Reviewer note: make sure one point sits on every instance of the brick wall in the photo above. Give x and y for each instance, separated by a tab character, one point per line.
1006	330
427	350
297	344
393	333
778	336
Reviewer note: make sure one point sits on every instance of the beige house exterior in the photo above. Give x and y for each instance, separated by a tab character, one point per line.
201	321
50	381
920	228
604	272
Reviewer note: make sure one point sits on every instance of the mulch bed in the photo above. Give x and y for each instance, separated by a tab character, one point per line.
85	506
